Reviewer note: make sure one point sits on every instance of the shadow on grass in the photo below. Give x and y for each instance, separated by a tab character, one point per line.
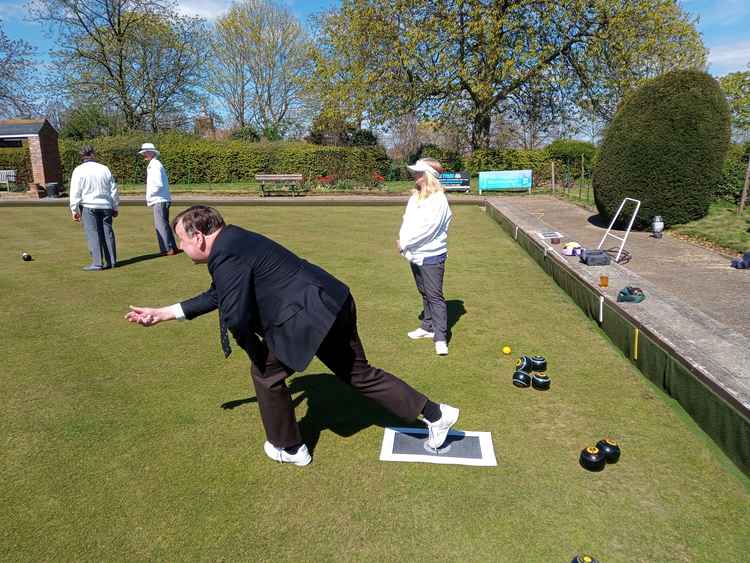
331	405
229	405
456	310
136	259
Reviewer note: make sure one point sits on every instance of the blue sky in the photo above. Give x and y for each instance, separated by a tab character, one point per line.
725	25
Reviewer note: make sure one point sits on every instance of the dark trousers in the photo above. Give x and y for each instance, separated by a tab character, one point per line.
434	315
100	236
342	352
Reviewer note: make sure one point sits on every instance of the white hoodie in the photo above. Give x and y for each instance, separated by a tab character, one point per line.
424	230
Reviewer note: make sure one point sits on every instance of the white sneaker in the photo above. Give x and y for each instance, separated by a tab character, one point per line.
441	348
420	333
438	430
302	457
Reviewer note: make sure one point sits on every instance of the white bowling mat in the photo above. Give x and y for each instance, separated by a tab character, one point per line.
460	448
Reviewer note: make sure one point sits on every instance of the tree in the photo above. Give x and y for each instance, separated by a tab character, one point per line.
331	129
466	59
642	39
259	64
168	66
665	147
736	86
141	56
15	64
88	121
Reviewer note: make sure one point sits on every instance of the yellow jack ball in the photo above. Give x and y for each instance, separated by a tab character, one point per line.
506	350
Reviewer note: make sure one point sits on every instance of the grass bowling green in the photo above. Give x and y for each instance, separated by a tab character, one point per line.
126	443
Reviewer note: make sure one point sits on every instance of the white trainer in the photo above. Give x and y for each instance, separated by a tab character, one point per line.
420	333
438	430
441	348
301	458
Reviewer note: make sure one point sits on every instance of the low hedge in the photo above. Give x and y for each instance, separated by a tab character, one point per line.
18	160
568	153
733	173
192	160
536	160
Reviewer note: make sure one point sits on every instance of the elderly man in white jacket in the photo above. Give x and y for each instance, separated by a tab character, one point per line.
159	198
423	241
94	201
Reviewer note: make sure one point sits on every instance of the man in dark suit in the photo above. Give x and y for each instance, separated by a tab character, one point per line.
282	311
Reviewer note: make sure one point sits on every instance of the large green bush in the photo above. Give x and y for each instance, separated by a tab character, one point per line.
190	159
665	147
18	160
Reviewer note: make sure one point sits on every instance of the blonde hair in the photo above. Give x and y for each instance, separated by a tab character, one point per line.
432	184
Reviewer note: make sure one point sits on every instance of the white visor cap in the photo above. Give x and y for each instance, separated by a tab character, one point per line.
422	166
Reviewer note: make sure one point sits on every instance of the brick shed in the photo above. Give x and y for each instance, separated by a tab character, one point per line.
41	139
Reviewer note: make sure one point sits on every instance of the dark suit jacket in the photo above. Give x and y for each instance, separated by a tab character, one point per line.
263	289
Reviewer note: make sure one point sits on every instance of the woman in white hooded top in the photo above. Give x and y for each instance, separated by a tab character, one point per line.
423	241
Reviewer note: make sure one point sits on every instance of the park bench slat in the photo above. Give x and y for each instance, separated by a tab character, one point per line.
6	177
280	183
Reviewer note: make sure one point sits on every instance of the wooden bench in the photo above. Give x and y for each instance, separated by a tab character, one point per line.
6	177
280	184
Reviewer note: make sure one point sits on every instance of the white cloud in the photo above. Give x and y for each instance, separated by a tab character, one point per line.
209	9
729	57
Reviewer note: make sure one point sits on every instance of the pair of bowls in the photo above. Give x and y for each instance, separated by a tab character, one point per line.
594	458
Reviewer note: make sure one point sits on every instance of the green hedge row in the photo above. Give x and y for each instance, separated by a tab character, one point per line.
537	160
733	173
192	160
18	160
568	153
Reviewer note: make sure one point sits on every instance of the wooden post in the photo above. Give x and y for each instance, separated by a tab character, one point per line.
553	176
743	198
583	172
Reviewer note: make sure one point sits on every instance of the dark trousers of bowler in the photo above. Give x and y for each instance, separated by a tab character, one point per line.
164	235
342	352
100	236
434	315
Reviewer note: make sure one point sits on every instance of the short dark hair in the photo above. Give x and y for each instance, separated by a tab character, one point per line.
200	218
87	151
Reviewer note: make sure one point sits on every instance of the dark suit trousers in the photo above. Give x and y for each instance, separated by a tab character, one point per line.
342	352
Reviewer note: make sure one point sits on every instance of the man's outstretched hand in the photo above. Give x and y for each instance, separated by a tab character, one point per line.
148	316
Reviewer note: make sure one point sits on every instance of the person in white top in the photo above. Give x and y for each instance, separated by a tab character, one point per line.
94	201
423	241
158	197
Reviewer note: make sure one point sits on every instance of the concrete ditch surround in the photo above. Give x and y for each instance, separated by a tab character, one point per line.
718	355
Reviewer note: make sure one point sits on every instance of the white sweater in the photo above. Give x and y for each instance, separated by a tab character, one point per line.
424	230
92	185
157	184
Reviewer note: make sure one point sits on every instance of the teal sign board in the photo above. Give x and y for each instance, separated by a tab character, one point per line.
505	180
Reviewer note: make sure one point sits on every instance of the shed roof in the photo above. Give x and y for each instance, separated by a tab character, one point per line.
21	127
